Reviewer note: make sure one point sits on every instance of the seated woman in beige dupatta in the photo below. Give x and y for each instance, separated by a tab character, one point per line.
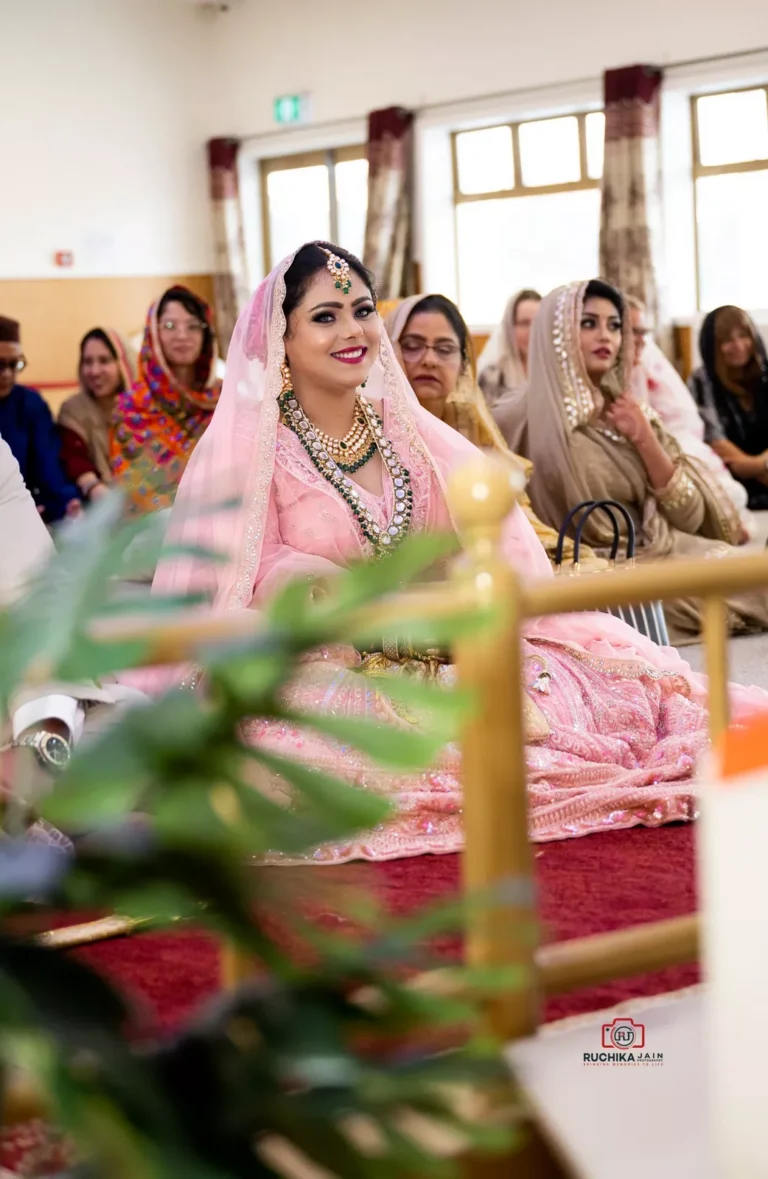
434	347
589	439
107	368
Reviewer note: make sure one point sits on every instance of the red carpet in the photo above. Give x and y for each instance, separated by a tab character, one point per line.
601	882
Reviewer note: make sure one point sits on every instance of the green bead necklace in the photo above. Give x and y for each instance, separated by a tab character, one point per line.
383	540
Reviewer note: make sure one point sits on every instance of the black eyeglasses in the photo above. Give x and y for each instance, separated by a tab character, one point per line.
13	366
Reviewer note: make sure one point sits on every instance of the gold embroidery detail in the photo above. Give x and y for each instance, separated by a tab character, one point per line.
679	491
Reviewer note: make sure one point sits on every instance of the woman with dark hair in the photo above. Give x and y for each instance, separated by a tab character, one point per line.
503	364
588	438
331	459
731	391
434	346
107	367
160	419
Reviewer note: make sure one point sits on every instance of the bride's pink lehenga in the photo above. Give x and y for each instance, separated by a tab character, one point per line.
616	723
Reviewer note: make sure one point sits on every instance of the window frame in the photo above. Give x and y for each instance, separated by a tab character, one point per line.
519	189
329	157
699	170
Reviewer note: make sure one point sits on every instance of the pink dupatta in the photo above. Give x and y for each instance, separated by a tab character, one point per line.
235	461
587	775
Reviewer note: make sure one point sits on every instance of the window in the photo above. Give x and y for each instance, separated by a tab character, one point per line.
730	165
321	194
527	200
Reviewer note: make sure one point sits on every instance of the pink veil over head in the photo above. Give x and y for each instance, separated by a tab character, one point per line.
224	495
235	458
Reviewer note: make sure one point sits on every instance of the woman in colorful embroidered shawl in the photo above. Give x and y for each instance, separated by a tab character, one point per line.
159	421
731	391
107	368
589	439
614	723
503	363
656	382
434	346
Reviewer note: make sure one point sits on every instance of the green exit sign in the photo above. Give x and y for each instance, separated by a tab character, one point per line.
291	108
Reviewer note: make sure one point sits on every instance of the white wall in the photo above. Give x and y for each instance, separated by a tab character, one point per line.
355	57
101	150
107	103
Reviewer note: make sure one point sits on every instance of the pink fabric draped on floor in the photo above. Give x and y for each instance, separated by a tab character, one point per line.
618	722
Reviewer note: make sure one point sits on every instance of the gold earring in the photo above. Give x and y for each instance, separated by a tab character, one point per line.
285	373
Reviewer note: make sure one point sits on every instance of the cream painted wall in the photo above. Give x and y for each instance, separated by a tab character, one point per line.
107	103
353	58
101	146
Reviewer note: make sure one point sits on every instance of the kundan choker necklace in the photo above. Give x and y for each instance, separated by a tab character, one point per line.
355	449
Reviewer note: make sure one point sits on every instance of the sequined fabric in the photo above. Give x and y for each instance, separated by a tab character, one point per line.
622	719
621	751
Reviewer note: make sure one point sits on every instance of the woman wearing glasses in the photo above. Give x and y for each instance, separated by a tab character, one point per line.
26	425
160	419
434	346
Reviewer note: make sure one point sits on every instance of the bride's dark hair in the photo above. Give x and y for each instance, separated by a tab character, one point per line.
308	261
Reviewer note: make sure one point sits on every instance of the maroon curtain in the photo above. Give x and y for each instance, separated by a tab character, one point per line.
389	218
630	220
230	282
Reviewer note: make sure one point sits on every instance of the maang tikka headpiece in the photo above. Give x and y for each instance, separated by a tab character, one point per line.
338	268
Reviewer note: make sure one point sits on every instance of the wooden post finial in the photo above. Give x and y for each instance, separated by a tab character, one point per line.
482	493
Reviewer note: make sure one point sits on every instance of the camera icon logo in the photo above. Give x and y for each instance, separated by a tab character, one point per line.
623	1034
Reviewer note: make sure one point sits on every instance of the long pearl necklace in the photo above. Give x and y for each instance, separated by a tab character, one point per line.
383	540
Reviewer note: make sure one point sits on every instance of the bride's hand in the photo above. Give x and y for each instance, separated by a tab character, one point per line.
626	415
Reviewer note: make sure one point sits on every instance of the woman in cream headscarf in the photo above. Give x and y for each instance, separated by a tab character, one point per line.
589	439
86	420
434	346
502	366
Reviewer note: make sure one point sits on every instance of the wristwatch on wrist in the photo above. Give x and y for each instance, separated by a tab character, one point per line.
53	752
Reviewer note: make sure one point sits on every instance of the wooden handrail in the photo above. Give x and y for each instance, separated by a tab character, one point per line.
646	583
495	789
622	953
177	638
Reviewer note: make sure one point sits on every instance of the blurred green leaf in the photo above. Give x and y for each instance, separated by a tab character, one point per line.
424	634
410	749
368	582
194	1106
357	809
447	707
253	675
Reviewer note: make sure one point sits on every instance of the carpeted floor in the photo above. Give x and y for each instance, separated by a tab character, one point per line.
605	881
602	882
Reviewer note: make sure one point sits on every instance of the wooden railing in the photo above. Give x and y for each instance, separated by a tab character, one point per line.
497	847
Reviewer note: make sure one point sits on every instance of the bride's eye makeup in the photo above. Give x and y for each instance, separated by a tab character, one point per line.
364	311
